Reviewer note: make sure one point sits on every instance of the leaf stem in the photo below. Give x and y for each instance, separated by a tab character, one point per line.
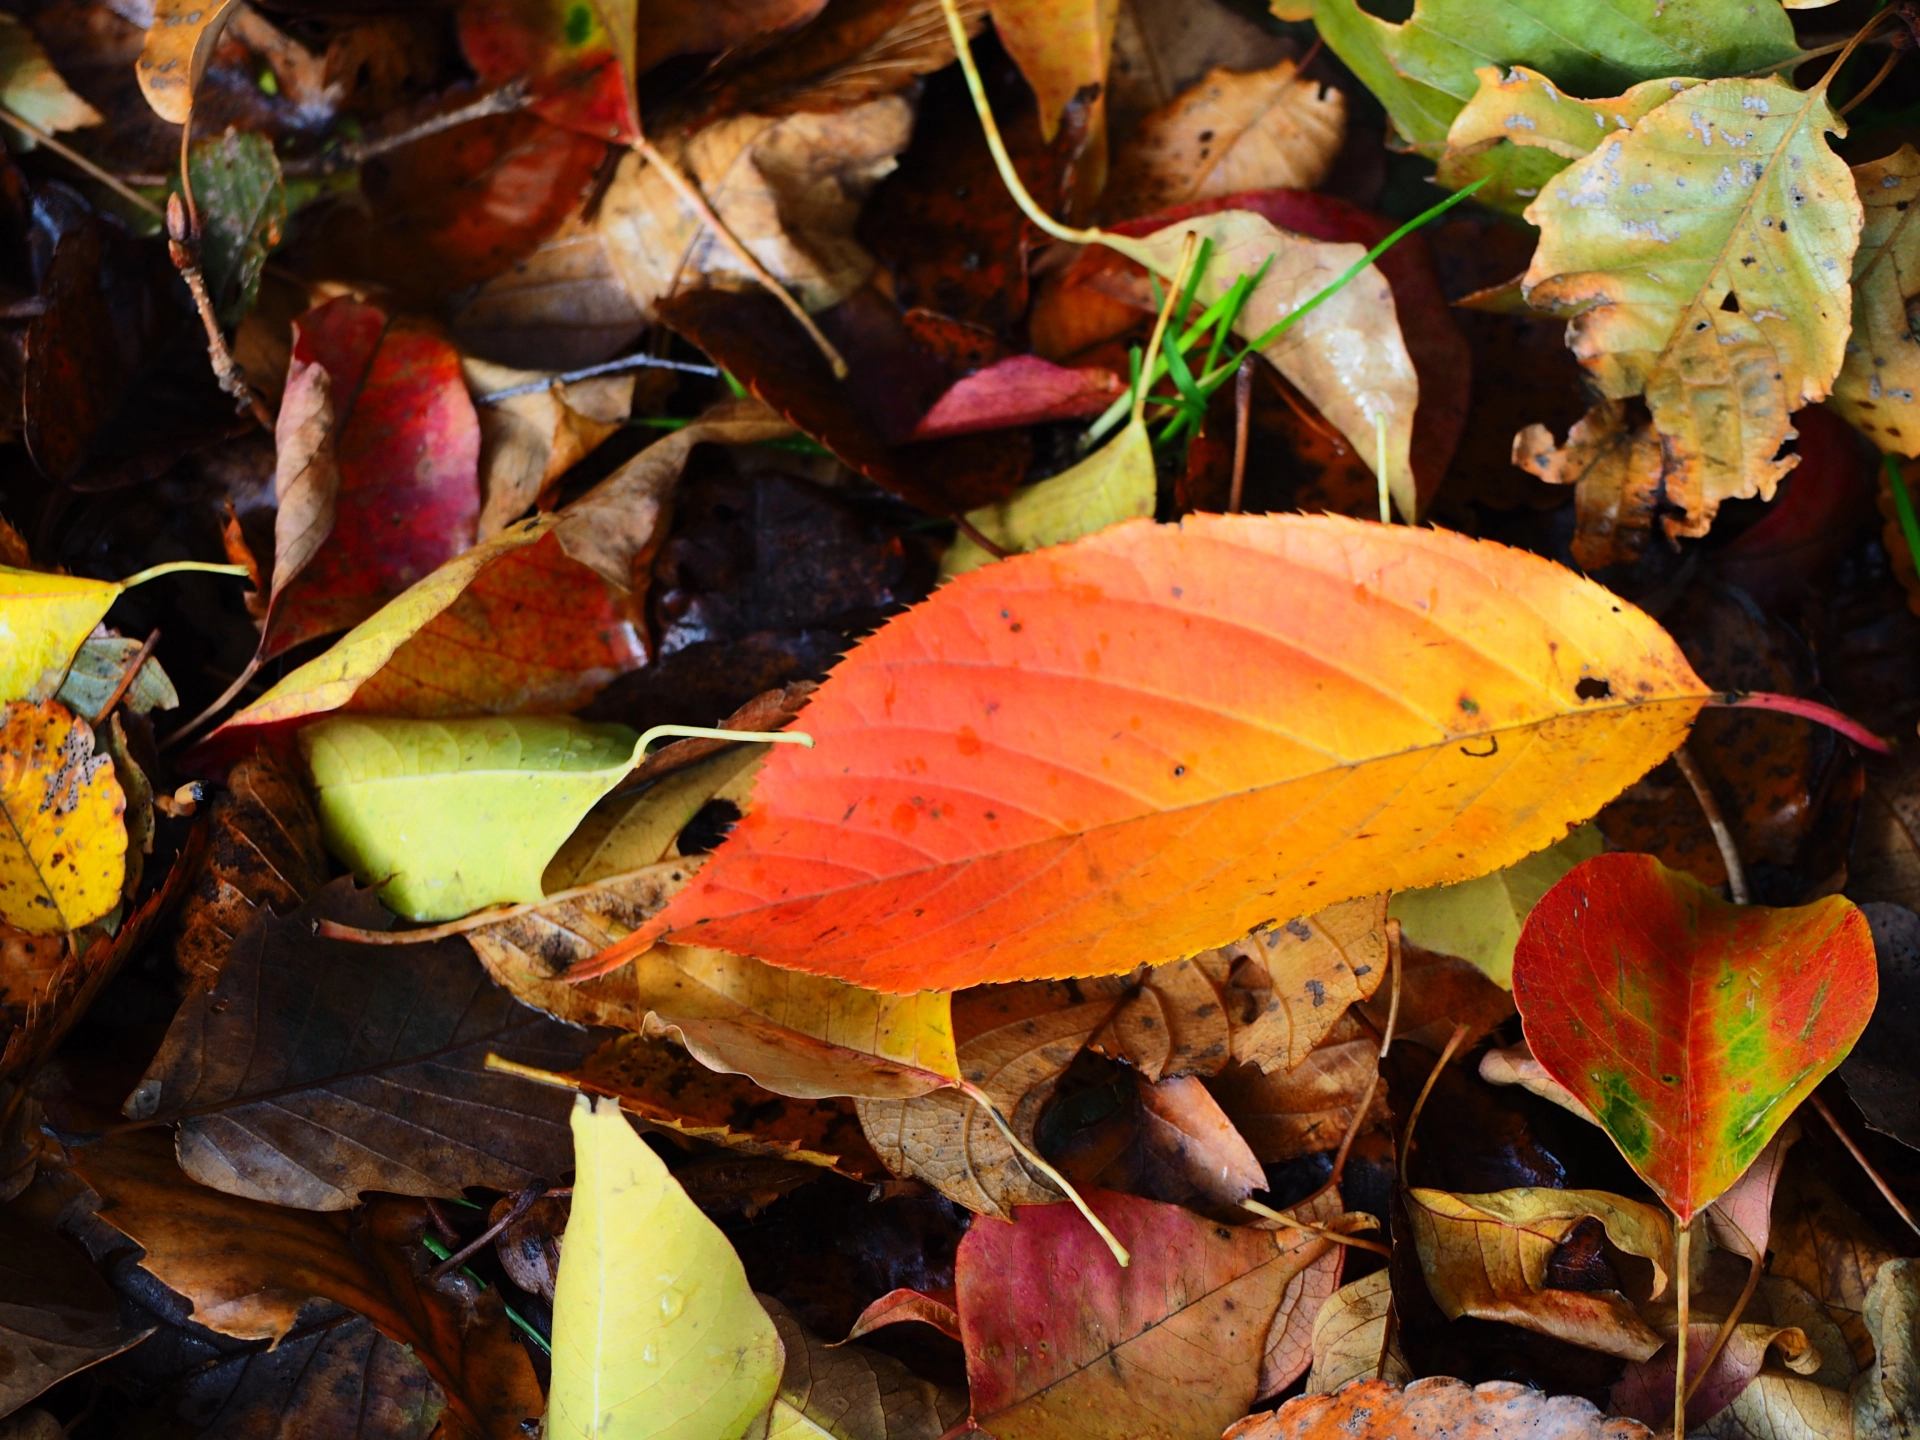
1454	1041
1242	415
709	732
1879	79
1040	1163
175	567
1267	1212
1886	1190
1807	710
1716	822
1175	293
75	158
1756	1263
1682	1288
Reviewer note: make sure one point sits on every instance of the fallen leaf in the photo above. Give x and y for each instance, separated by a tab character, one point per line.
1516	1066
1618	469
1423	67
46	620
243	215
412	805
1309	1108
867	873
59	1316
1435	1408
1710	346
1875	387
265	852
527	442
1755	1007
1352	1337
1254	130
247	1269
1821	1242
312	1070
662	1085
630	831
561	307
1885	864
898	1306
852	1393
64	854
655	1330
1191	1147
1115	483
1883	1404
1062	1341
1878	1072
575	59
378	479
95	674
32	89
1060	49
1019	390
1487	1255
1480	920
1289	1348
181	38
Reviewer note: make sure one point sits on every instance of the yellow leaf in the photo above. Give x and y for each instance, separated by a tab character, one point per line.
1352	1337
180	42
626	832
656	1332
63	846
1877	384
1114	483
1616	467
1708	252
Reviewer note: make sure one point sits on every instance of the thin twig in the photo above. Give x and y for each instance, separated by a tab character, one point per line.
1879	79
690	193
1886	1191
192	726
611	367
1242	413
521	1206
183	245
1716	822
125	682
1756	1263
1280	1217
1683	1294
1454	1041
74	157
504	101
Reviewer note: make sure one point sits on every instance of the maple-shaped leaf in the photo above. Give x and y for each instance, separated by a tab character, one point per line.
1063	764
1690	1027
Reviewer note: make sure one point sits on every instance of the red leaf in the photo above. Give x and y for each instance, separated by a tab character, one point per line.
563	50
1020	390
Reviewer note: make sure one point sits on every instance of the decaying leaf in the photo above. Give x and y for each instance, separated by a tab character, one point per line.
1320	607
655	1331
1307	1109
1439	1408
1352	1337
852	1393
57	1316
527	442
63	853
1618	469
312	1069
1876	385
1751	237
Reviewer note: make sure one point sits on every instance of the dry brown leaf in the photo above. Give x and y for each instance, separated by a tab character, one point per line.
265	851
527	442
1233	131
1289	1349
1885	863
1821	1242
561	308
849	1392
1309	1108
1187	1140
1438	992
1162	47
1266	1000
1353	1339
1437	1409
1618	470
57	1316
788	187
1486	1256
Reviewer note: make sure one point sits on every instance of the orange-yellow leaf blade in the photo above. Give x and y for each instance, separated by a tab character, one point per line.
1151	741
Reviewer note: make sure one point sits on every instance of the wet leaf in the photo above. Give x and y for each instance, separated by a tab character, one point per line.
64	852
655	1331
1875	386
313	1070
850	911
58	1316
1709	344
1432	1408
1062	1341
1754	1006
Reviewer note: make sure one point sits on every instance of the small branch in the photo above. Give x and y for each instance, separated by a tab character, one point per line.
183	246
125	682
612	367
1722	836
1242	414
1807	710
504	101
74	157
521	1206
1886	1190
690	193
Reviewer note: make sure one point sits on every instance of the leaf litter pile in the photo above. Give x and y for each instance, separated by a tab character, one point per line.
1090	720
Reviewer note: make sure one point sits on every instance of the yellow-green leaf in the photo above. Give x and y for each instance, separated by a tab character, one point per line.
1114	483
448	816
1480	920
1877	384
656	1333
63	846
1708	252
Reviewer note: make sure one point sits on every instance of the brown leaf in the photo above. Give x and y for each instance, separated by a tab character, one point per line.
527	442
1352	1337
1436	1409
529	1248
1311	1107
563	307
852	1393
1617	468
264	851
1885	862
1821	1242
1438	992
1289	1349
57	1316
898	1306
1191	1150
248	1269
1233	131
315	1069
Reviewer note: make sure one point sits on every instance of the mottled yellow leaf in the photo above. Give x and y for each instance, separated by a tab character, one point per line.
1882	372
63	844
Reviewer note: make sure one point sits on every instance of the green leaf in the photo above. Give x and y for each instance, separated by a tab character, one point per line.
448	816
1690	1027
97	669
1422	69
1114	483
1706	255
1480	920
243	214
656	1332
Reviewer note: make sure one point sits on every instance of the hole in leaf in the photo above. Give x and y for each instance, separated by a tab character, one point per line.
1731	304
1591	689
709	826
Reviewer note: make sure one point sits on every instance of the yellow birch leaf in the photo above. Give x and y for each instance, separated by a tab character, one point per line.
1708	252
1114	483
180	42
1882	372
656	1332
63	844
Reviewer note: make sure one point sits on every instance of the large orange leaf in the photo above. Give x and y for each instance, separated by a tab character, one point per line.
1153	740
